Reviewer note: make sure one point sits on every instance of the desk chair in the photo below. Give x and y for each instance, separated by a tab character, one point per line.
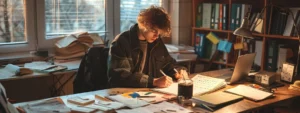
92	72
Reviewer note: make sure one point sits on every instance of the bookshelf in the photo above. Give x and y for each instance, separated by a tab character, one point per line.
265	37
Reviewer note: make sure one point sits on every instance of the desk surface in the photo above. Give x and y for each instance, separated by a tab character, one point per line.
281	94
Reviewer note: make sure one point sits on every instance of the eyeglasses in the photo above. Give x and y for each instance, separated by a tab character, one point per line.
152	30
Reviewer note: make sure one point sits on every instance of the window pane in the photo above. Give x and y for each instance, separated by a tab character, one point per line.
12	21
68	16
131	8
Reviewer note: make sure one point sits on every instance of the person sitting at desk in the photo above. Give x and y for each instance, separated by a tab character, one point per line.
136	56
5	106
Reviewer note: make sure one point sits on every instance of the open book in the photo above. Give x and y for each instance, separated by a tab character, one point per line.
82	37
12	70
201	85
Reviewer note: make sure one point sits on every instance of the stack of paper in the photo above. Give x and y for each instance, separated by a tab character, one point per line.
73	46
46	106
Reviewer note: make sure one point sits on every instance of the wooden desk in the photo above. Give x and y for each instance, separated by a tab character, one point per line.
281	94
56	88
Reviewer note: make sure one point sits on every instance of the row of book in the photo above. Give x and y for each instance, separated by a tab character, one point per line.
277	54
215	15
281	21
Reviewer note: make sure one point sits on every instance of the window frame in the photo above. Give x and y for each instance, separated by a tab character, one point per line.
35	26
30	27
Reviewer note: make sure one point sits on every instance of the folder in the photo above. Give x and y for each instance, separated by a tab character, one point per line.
216	99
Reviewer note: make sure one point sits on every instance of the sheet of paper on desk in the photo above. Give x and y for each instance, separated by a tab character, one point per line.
38	65
71	65
46	106
128	101
163	107
75	107
154	97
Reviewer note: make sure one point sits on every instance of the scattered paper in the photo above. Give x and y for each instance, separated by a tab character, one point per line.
163	107
46	106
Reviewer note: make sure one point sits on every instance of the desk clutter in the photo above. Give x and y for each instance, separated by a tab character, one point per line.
137	101
13	70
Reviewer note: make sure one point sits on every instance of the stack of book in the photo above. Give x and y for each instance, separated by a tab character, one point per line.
73	46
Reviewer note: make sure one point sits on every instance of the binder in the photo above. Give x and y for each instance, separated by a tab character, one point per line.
216	99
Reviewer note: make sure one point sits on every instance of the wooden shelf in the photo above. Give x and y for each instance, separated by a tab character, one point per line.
214	30
257	5
281	37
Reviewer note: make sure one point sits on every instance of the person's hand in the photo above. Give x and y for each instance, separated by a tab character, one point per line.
182	73
164	81
178	75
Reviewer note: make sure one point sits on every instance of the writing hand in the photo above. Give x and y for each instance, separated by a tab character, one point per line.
164	81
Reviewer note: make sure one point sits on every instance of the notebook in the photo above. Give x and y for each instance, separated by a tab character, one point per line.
201	85
216	99
250	92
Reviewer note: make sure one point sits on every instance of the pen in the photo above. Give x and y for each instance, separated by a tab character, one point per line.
175	70
148	93
170	110
162	73
146	96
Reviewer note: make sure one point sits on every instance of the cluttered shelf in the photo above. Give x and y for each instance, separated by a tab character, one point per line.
281	37
255	34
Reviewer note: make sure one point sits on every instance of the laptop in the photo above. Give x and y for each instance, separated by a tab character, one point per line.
241	70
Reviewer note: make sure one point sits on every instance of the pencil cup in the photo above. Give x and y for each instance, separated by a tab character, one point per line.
185	88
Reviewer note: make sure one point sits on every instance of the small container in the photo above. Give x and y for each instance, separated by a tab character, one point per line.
185	88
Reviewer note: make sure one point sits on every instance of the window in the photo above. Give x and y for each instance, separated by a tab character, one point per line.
16	26
27	25
129	10
12	22
66	16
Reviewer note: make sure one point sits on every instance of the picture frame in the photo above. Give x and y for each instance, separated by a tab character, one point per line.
287	73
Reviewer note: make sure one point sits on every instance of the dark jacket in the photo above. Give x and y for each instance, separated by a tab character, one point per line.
125	58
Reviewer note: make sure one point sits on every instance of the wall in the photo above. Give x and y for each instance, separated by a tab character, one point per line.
181	11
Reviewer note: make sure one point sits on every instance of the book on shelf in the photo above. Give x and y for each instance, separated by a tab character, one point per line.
206	17
290	24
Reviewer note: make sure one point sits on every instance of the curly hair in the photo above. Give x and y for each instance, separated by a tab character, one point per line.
155	17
